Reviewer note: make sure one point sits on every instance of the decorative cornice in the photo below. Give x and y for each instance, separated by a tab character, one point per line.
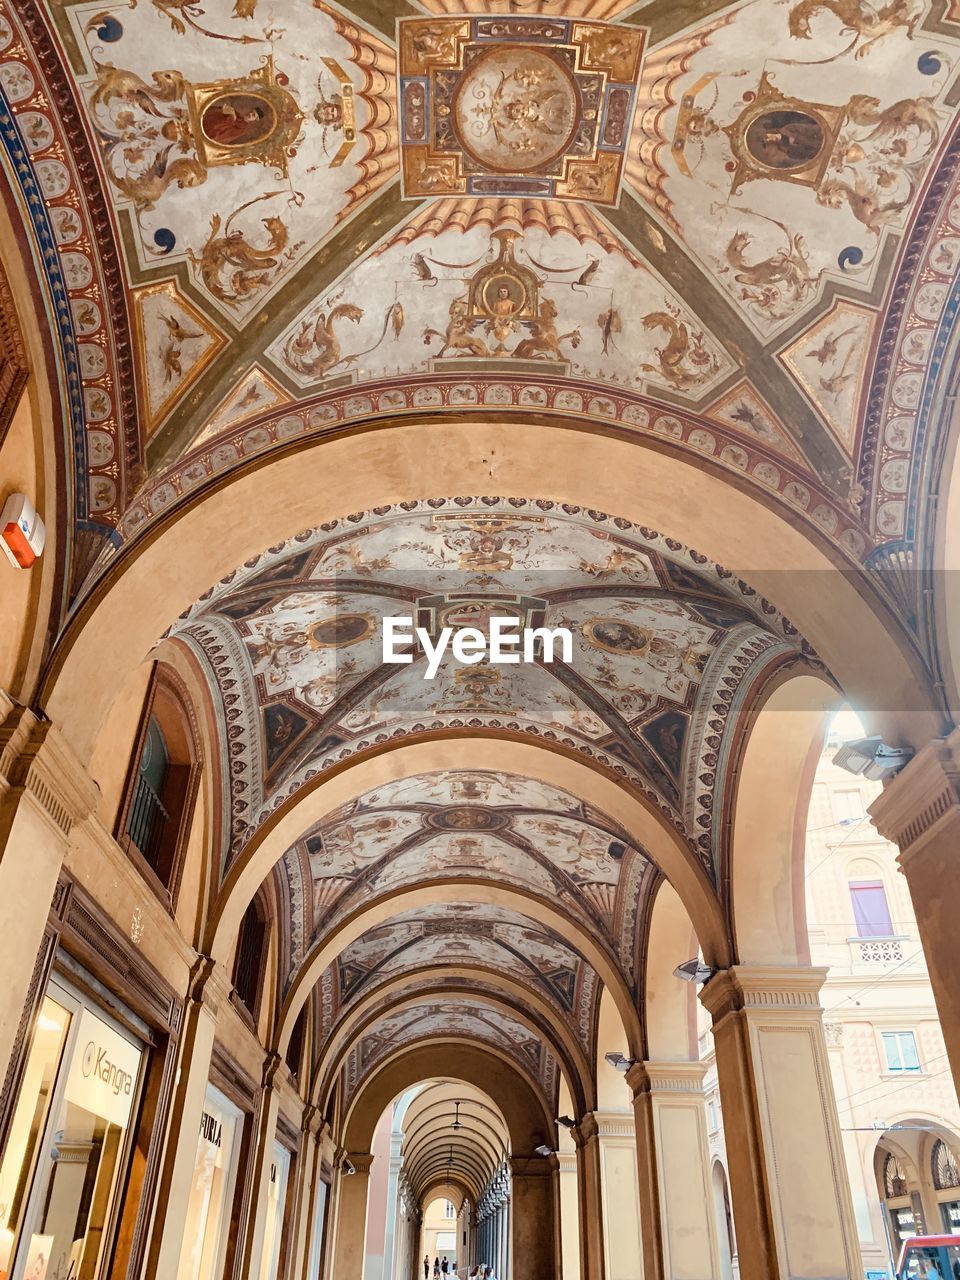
919	801
209	984
36	761
763	988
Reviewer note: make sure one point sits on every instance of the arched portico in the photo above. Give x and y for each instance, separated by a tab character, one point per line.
858	638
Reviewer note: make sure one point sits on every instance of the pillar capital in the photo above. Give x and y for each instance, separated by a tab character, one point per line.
774	989
666	1077
922	799
36	761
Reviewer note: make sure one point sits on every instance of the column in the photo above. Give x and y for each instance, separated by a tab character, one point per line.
569	1216
352	1217
791	1198
586	1135
394	1209
44	792
301	1221
208	994
619	1215
679	1229
532	1245
919	809
253	1224
504	1269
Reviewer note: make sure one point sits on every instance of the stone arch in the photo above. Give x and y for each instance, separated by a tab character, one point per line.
771	786
159	575
450	978
397	996
669	1005
945	556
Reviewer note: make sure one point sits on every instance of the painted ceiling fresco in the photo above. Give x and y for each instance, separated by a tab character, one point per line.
467	825
426	943
262	218
452	1018
665	646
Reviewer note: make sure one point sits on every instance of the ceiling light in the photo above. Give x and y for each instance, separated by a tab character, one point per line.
619	1062
694	971
872	758
456	1124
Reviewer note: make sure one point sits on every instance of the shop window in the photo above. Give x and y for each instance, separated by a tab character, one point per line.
847	805
207	1227
66	1154
162	785
251	958
944	1167
900	1051
273	1226
870	910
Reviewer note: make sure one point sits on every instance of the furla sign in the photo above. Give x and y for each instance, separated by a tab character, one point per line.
103	1071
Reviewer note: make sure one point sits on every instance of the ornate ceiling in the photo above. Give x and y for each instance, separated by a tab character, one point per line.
726	231
666	647
261	221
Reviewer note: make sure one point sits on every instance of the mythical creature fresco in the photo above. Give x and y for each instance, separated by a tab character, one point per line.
231	267
867	23
684	360
315	350
775	283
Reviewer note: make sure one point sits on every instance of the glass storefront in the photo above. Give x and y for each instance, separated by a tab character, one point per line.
319	1228
273	1225
211	1196
65	1156
950	1213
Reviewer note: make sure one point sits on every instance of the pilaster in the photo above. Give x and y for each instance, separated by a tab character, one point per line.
791	1196
919	810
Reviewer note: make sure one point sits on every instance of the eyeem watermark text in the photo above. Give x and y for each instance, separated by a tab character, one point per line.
506	643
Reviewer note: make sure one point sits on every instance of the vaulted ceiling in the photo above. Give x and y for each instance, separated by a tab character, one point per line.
258	222
727	232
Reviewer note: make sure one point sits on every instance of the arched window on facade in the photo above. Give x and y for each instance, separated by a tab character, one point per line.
162	784
250	962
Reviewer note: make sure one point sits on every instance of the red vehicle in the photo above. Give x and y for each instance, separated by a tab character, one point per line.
930	1258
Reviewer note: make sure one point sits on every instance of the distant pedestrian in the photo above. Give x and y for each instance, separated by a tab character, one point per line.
426	1266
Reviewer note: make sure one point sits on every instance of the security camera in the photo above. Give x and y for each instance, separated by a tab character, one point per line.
872	758
694	971
566	1122
544	1150
347	1168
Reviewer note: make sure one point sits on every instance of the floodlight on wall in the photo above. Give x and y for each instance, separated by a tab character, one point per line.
872	758
544	1150
619	1062
566	1122
694	971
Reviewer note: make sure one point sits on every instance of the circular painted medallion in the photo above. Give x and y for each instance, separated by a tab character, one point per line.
516	109
615	636
340	630
785	139
238	119
465	817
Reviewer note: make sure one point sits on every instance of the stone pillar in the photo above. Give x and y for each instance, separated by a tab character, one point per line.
586	1135
207	996
791	1198
620	1217
258	1173
44	793
391	1258
679	1230
532	1247
352	1218
569	1216
303	1191
919	810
